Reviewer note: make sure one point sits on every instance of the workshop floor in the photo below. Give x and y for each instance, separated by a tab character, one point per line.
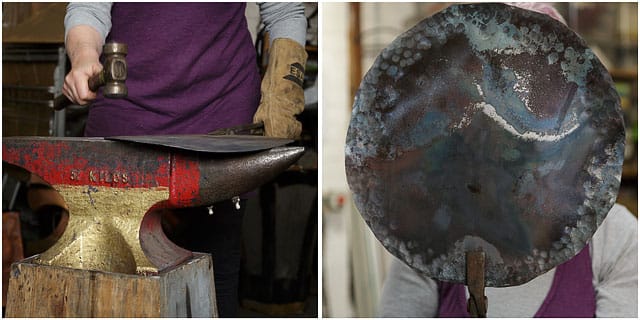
310	308
310	311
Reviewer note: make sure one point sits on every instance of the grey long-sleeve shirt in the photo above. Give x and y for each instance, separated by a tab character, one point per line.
281	20
614	261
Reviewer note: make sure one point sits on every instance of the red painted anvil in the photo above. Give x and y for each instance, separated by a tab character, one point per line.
115	191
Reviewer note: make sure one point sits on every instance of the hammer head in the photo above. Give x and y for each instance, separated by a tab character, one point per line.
115	70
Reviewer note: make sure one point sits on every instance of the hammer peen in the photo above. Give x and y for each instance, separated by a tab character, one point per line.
112	77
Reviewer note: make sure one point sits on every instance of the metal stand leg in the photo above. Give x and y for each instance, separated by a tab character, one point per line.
59	117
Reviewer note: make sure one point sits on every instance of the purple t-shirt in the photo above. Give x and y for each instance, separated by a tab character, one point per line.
191	69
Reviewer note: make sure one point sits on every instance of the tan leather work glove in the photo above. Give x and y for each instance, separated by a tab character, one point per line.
281	88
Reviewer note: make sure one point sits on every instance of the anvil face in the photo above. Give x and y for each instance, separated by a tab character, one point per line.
485	127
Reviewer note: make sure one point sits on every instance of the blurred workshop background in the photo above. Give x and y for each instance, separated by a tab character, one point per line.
354	262
279	265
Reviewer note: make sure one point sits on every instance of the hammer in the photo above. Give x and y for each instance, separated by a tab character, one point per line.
112	76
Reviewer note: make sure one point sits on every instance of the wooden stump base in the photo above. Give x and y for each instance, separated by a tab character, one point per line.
37	290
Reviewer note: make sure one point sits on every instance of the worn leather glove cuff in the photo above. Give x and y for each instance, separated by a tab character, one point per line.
281	88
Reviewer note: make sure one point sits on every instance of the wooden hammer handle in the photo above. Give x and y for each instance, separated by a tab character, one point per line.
95	82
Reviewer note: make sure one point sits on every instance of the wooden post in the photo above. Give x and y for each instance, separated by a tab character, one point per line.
37	290
12	250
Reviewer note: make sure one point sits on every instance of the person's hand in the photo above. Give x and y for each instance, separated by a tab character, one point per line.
84	65
281	88
84	45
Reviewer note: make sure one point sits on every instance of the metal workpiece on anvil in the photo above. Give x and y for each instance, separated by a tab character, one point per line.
115	192
488	128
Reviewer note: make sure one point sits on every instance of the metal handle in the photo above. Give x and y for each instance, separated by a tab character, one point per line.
477	303
248	129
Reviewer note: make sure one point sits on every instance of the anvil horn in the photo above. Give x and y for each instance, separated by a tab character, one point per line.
221	178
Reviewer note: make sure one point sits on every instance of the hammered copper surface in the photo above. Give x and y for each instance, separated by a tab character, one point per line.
485	127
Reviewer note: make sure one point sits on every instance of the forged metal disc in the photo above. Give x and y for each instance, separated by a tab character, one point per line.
485	127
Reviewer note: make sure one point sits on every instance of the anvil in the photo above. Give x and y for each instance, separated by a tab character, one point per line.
490	134
115	192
